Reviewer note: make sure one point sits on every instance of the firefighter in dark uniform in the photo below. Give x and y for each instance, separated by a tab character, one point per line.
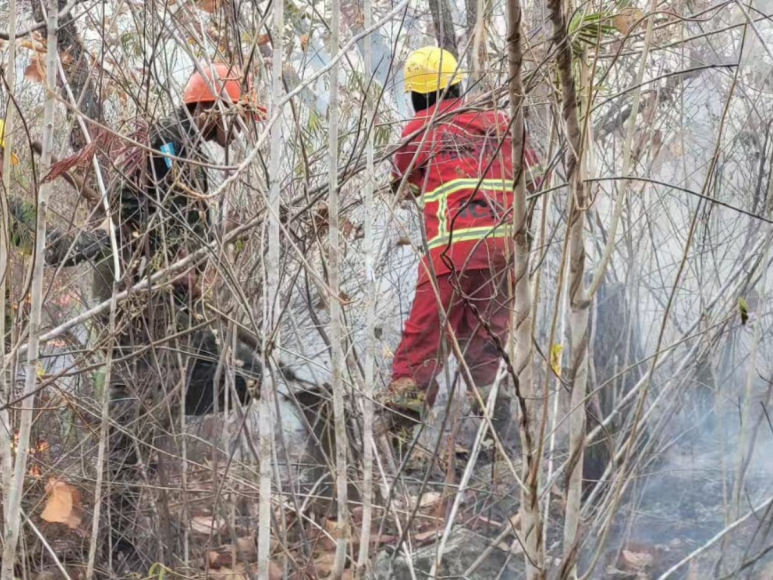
163	353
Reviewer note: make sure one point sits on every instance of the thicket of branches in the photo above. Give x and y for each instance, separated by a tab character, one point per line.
639	357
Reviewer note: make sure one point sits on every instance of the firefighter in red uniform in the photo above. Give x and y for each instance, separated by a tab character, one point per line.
458	163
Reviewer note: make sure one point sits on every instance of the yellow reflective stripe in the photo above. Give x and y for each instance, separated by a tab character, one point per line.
457	185
441	212
500	231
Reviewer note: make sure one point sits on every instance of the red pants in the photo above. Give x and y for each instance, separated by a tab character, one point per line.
422	354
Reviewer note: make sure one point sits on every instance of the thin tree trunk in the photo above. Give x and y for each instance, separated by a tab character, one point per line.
442	18
13	505
5	235
103	439
370	299
476	30
578	300
78	73
271	304
530	512
336	334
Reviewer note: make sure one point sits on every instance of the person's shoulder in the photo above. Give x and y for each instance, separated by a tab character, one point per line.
415	124
172	128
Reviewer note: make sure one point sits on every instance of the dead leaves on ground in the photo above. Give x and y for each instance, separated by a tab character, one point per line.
206	525
63	504
239	572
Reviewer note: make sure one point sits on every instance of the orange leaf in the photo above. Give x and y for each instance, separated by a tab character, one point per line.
625	20
304	42
63	505
36	71
209	6
263	39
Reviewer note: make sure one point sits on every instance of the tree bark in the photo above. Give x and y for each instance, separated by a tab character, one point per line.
370	298
12	508
578	299
79	72
442	18
530	512
5	235
336	334
271	304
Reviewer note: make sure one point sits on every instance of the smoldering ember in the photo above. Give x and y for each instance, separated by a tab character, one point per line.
386	290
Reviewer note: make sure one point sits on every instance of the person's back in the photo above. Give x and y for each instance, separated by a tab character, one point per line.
463	173
458	162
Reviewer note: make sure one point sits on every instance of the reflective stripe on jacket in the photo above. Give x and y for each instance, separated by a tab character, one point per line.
463	175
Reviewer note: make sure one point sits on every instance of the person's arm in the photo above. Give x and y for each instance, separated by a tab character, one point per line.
403	159
71	249
85	245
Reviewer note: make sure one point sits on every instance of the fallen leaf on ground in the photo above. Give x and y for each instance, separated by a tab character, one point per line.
239	572
206	524
324	564
63	505
229	554
424	536
637	560
427	500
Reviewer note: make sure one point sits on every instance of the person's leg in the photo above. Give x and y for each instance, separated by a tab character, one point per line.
423	349
203	370
486	322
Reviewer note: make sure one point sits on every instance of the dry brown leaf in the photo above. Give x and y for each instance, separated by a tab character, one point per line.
637	560
63	504
239	572
263	39
404	241
428	499
36	71
424	536
228	555
236	573
209	6
324	564
206	524
304	42
321	540
626	18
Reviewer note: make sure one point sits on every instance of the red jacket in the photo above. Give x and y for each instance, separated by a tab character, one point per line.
465	181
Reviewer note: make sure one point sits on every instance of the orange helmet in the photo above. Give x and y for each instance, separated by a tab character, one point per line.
224	78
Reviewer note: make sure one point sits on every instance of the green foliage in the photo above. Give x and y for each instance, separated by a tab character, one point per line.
743	310
157	571
590	29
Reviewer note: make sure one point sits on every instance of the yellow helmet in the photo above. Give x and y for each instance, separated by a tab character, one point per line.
431	69
14	159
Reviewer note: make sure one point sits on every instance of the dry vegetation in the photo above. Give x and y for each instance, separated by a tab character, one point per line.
640	358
